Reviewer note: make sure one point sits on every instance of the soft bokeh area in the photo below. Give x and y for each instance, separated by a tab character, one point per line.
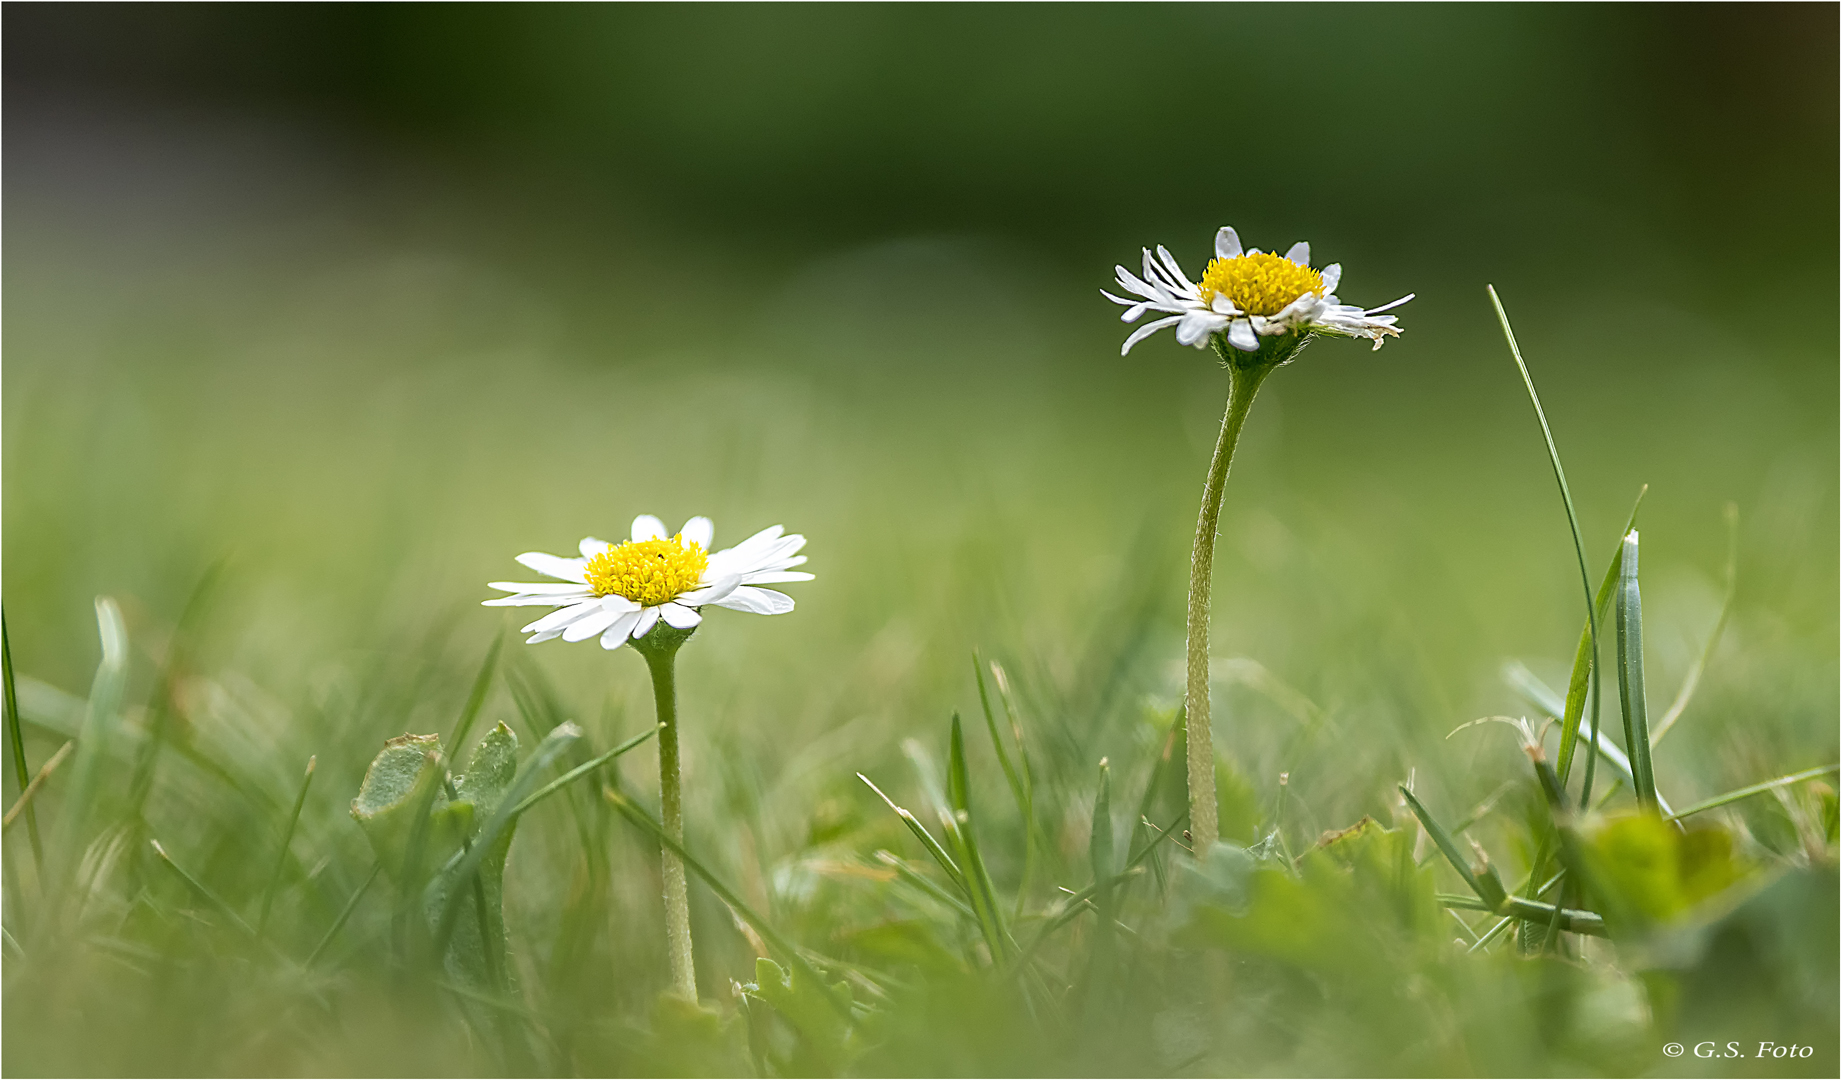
359	302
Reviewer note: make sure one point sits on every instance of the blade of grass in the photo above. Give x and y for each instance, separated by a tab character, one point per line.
1584	661
961	828
794	956
547	752
1540	696
946	861
997	742
1755	789
160	702
24	802
344	914
918	880
16	742
1692	681
203	892
287	837
1572	521
1075	904
1630	675
1443	840
482	683
580	771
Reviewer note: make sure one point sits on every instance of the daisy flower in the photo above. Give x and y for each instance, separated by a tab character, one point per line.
621	591
1246	295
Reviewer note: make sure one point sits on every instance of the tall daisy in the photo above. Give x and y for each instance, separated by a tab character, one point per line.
1256	310
650	592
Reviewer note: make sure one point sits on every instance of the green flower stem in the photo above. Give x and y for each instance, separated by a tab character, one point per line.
660	648
1245	373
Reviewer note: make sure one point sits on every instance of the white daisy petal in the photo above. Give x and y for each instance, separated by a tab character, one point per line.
554	565
545	636
1227	243
1332	276
647	620
528	600
562	617
699	531
1147	330
647	527
589	625
619	630
768	577
1242	336
712	591
592	547
679	616
1299	253
757	601
534	587
619	605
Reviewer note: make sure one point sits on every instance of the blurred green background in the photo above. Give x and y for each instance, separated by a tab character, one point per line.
368	299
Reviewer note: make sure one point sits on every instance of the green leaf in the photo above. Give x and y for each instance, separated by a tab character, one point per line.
404	776
820	1013
1630	675
15	742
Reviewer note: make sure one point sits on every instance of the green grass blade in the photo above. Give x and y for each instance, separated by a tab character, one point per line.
580	771
963	830
1755	789
101	717
1692	681
344	914
939	853
287	837
482	684
794	956
159	711
203	892
920	881
997	743
16	743
1584	662
1572	518
1630	675
1443	840
503	816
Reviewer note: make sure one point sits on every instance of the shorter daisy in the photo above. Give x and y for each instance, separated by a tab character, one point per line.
1246	295
621	591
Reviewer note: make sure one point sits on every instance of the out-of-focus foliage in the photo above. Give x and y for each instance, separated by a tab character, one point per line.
352	304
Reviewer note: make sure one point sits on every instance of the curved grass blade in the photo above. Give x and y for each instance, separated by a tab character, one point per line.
580	771
1445	843
1584	660
773	937
1755	789
344	914
541	758
287	837
961	828
203	892
482	683
946	861
1630	675
16	744
1572	520
160	701
1692	681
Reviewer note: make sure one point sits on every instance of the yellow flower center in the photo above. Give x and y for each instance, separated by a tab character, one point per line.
1259	284
648	572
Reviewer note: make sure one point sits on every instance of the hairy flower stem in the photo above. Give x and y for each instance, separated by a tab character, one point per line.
661	658
1245	373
